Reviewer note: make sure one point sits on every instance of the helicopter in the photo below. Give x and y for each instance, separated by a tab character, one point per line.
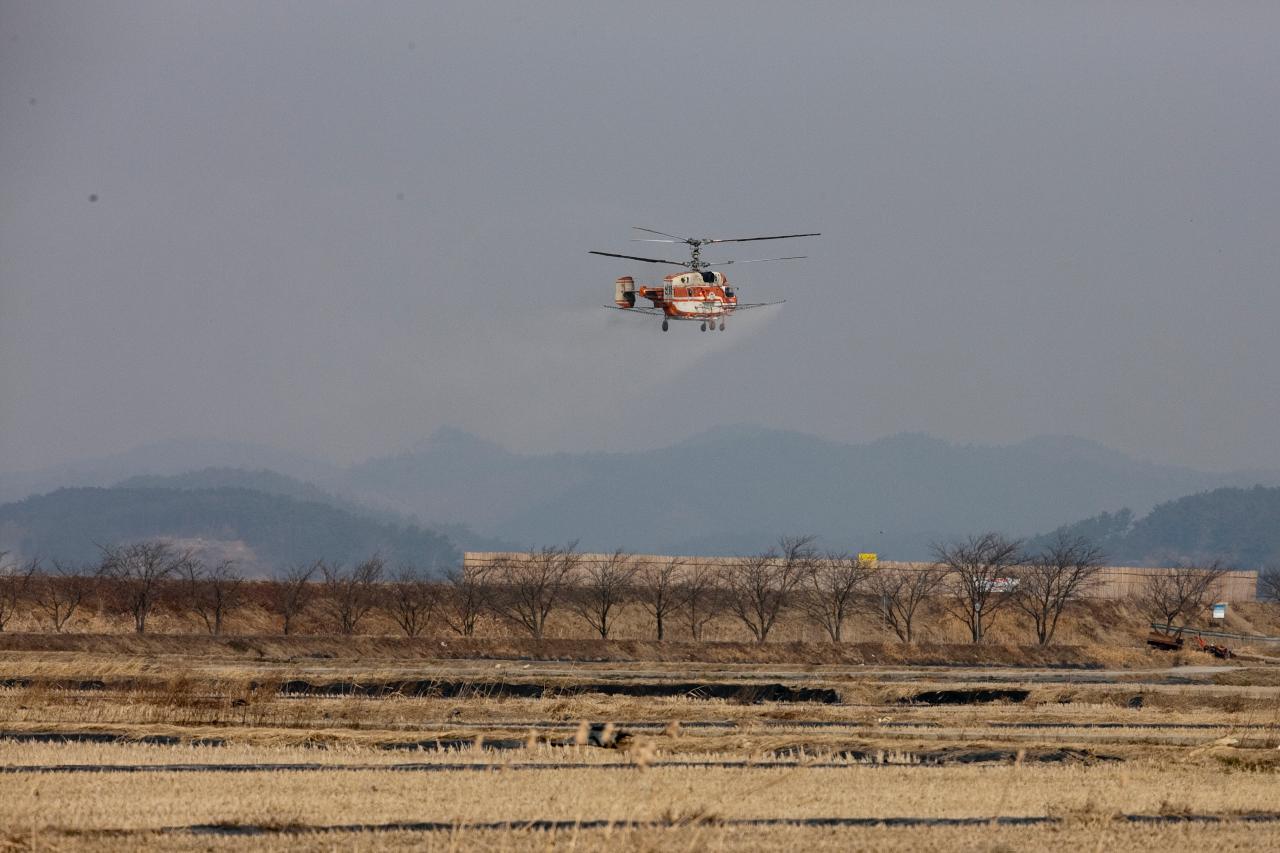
700	295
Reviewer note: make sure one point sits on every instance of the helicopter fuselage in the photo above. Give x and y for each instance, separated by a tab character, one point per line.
682	296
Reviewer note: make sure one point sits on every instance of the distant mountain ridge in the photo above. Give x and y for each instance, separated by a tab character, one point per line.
274	483
164	458
260	480
1240	527
731	489
739	487
265	530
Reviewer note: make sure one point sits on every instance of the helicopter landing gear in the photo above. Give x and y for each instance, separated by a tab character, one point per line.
664	325
704	327
722	325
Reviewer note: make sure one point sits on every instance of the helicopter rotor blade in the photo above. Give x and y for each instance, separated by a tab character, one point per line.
753	239
758	260
661	234
635	258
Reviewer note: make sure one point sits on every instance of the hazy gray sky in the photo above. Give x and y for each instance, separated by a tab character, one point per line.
335	227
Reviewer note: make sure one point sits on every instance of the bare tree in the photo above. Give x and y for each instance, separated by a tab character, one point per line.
138	575
59	593
700	594
15	582
1269	583
897	594
467	594
658	589
411	599
212	594
981	572
759	589
829	591
531	586
1050	580
291	593
351	594
601	590
1179	594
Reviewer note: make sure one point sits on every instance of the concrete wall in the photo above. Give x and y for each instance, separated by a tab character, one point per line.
1112	581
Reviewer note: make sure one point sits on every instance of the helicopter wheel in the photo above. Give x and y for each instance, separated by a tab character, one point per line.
722	326
704	327
664	325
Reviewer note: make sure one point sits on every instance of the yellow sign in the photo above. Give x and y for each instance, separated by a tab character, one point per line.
867	558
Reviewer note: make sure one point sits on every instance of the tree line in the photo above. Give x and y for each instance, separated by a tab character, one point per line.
975	580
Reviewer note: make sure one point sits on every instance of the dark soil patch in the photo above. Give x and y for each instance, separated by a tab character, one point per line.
410	767
108	737
1061	755
232	829
431	745
80	683
747	694
953	755
458	767
228	829
454	744
977	696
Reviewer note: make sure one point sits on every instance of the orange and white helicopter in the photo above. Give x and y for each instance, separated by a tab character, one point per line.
700	294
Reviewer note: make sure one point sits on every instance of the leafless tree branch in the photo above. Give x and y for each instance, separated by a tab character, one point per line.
350	595
466	596
139	574
15	582
981	578
58	594
658	590
292	592
601	590
212	594
531	587
896	595
1179	594
829	592
759	589
412	598
701	594
1049	581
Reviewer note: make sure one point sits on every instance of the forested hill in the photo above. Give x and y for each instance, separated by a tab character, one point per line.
265	481
262	529
259	480
1241	527
274	483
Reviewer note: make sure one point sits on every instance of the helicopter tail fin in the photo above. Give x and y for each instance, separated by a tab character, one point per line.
624	292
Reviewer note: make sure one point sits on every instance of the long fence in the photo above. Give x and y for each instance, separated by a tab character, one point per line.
1111	582
1251	639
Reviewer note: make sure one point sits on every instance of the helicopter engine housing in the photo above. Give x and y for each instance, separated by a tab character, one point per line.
624	292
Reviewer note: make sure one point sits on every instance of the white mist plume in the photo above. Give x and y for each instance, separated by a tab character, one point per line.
519	376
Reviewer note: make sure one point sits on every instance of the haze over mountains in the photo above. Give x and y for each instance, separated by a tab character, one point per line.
732	489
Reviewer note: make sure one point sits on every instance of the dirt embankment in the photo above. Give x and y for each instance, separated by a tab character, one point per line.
606	651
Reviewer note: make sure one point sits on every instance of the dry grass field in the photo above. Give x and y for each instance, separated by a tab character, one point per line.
113	742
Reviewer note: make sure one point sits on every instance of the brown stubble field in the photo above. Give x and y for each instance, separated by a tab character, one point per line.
218	746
